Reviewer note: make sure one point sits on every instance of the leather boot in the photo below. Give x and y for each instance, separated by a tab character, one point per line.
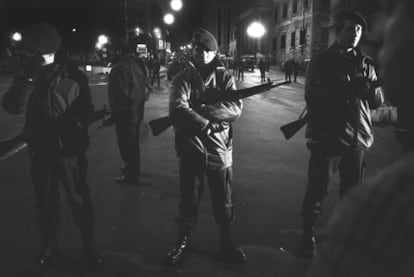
44	258
229	251
93	257
181	248
307	246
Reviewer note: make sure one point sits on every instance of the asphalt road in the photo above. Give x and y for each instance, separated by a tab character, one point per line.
134	225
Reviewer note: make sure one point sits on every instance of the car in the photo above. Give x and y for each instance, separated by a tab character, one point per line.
249	62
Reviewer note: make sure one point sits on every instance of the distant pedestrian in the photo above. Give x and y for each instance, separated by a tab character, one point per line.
127	95
295	70
262	67
156	71
240	69
56	100
288	70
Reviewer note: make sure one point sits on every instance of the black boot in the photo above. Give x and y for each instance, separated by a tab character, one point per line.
307	246
93	257
41	263
181	248
229	251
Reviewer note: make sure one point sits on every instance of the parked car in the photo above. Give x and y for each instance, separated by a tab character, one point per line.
249	62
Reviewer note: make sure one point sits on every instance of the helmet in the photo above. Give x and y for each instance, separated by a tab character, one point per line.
42	38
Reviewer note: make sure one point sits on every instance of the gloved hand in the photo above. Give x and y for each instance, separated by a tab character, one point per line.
213	127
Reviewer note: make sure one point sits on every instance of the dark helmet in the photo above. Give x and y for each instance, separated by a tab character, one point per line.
42	38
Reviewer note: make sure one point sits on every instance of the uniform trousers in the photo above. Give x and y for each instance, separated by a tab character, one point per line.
193	176
323	164
47	173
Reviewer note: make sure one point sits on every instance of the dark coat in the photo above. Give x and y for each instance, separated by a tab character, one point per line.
126	90
337	99
190	119
57	107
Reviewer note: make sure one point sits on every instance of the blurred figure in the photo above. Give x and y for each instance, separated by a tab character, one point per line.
370	234
240	69
295	70
339	92
156	71
127	95
288	70
57	102
203	141
262	67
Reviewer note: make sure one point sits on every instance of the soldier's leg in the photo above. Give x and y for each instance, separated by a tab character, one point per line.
45	183
316	190
73	176
129	147
220	181
191	173
351	170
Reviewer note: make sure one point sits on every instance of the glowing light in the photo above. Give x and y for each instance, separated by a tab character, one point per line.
256	30
102	39
16	36
176	5
169	19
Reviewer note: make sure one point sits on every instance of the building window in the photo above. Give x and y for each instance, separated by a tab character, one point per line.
302	37
324	35
274	44
306	4
283	41
293	39
276	14
285	10
295	6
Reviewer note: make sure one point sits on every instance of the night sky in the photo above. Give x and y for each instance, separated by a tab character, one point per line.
92	17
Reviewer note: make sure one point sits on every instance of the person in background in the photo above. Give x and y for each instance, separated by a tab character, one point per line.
127	96
262	67
203	141
57	103
370	233
340	90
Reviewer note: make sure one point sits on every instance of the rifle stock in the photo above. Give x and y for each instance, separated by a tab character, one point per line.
9	147
161	124
290	129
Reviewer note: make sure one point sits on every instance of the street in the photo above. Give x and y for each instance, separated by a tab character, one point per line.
134	224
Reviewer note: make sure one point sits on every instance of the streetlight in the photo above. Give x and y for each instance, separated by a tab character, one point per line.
102	41
256	30
157	32
16	37
169	19
176	5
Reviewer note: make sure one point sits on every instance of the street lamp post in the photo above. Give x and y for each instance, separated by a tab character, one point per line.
256	30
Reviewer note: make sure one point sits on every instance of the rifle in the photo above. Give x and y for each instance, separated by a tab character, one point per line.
161	124
290	129
11	146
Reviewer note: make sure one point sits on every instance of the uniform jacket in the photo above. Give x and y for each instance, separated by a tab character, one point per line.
338	105
126	90
57	107
190	119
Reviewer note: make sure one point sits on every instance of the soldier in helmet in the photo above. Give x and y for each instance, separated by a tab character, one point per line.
56	101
